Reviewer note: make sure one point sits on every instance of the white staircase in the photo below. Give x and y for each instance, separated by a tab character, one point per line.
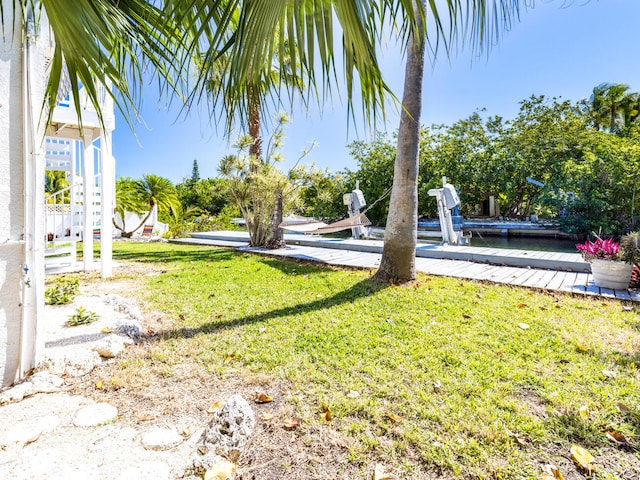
64	209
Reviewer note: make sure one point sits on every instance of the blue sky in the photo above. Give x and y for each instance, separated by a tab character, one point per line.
559	48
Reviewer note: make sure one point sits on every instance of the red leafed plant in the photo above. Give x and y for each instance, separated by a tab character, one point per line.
601	249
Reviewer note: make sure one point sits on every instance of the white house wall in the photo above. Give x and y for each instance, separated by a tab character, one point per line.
21	199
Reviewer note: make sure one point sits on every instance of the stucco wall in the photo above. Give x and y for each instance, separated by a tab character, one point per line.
20	292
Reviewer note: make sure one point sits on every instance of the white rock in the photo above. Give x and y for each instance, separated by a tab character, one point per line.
96	414
146	471
17	393
230	428
30	430
161	439
45	382
109	346
74	363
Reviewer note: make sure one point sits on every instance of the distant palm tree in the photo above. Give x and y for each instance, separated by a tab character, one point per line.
54	182
151	192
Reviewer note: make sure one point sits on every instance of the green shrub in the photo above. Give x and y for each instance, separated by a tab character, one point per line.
62	292
81	317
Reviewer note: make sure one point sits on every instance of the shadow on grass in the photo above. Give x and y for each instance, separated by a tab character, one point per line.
170	256
361	289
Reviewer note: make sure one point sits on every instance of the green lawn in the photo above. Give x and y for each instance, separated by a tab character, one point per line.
470	379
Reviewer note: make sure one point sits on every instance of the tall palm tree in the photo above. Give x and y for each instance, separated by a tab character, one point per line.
614	99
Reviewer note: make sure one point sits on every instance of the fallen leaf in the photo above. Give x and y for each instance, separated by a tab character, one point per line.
222	470
584	412
466	315
326	416
100	384
582	458
609	373
437	386
228	358
353	394
623	408
188	431
522	305
380	472
394	417
618	438
523	326
181	317
542	307
217	405
628	308
551	472
581	348
521	439
262	329
292	423
266	415
262	398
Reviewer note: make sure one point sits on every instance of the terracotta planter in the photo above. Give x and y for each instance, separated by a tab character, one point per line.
611	274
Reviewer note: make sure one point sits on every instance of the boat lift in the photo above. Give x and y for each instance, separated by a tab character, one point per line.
447	199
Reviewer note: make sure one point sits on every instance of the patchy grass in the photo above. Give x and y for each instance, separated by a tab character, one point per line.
458	378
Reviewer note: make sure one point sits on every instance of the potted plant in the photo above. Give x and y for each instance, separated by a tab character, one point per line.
612	262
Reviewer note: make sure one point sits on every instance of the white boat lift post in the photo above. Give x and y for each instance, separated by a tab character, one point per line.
354	202
447	199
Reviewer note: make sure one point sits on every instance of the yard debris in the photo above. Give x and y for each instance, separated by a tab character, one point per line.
618	438
380	472
292	423
551	472
583	459
222	470
262	398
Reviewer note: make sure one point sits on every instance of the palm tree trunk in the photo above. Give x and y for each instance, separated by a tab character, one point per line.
399	252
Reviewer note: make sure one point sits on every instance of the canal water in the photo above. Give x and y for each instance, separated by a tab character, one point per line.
525	243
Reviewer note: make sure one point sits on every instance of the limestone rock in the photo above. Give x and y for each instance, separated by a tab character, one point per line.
95	414
16	393
109	346
29	431
161	439
45	382
229	429
127	306
74	363
150	470
129	330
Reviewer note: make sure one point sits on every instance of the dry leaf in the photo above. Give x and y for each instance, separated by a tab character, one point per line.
292	423
216	406
609	373
628	308
262	398
220	471
542	307
584	412
380	472
262	329
394	417
181	317
466	315
100	384
326	416
266	415
521	439
228	358
623	408
437	386
581	348
523	326
583	458
521	305
551	472
188	431
618	438
353	394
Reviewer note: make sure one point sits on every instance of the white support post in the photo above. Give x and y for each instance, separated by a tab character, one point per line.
106	205
88	180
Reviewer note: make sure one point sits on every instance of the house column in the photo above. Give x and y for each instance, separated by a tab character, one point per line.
88	181
106	205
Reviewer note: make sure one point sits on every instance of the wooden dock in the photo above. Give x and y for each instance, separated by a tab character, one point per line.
563	272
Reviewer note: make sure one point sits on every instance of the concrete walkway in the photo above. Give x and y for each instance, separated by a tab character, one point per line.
555	271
